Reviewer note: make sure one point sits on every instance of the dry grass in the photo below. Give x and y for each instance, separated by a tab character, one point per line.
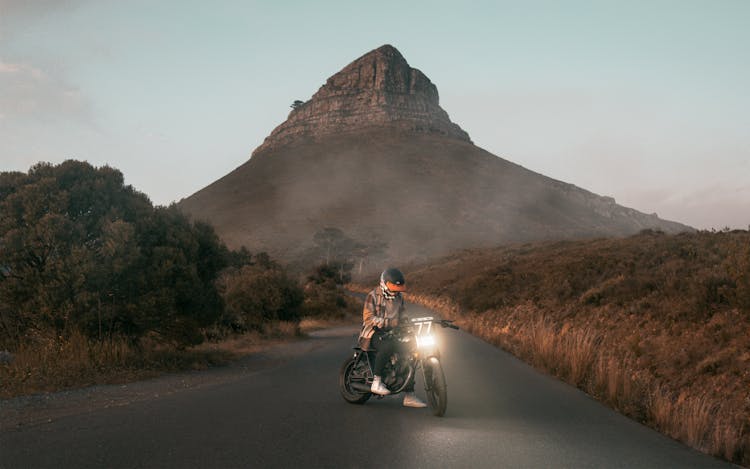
308	325
701	421
55	363
656	326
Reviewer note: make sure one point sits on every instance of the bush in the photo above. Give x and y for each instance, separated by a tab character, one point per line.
323	296
254	295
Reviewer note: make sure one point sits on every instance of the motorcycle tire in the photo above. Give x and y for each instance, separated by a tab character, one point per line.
349	394
435	386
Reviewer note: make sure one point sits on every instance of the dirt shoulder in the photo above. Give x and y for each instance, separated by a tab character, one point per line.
31	410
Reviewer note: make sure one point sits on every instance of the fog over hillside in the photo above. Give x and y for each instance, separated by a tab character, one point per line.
373	154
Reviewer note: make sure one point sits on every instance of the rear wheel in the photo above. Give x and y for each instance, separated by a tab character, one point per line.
435	387
352	371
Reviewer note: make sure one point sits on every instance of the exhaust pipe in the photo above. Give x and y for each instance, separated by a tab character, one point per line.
361	387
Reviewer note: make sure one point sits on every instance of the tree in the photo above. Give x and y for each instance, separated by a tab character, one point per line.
331	242
81	251
364	252
336	249
297	104
331	246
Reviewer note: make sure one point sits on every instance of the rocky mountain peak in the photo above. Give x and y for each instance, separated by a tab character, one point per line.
377	90
383	69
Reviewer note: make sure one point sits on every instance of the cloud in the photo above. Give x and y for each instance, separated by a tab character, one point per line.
9	68
29	93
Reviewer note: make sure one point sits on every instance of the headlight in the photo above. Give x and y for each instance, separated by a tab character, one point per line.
425	341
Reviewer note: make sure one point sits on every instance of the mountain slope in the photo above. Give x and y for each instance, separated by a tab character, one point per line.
372	153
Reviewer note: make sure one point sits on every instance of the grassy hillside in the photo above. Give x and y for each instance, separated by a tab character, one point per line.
403	189
656	325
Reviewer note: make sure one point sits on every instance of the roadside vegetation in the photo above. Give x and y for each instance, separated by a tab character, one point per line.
97	285
655	325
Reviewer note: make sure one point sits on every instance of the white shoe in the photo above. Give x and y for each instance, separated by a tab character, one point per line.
378	387
411	400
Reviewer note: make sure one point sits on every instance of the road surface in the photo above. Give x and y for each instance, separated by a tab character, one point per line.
285	410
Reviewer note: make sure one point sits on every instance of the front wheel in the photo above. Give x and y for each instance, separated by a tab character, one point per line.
352	371
434	386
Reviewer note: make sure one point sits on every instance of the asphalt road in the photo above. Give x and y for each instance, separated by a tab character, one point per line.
288	413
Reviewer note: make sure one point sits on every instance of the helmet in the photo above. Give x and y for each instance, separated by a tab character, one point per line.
392	282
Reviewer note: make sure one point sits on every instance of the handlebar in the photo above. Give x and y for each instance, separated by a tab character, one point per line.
401	328
448	323
445	323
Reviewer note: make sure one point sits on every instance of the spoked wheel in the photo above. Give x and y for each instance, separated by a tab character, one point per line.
351	372
435	387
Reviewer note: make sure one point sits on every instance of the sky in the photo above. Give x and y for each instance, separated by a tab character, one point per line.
644	101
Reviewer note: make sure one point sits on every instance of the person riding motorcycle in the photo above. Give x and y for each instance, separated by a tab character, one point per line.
383	310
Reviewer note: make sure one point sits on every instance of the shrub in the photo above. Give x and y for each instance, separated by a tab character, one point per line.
254	295
324	297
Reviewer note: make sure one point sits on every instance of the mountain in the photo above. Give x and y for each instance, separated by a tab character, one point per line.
373	154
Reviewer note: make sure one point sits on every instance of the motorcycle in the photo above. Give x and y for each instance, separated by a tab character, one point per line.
419	352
